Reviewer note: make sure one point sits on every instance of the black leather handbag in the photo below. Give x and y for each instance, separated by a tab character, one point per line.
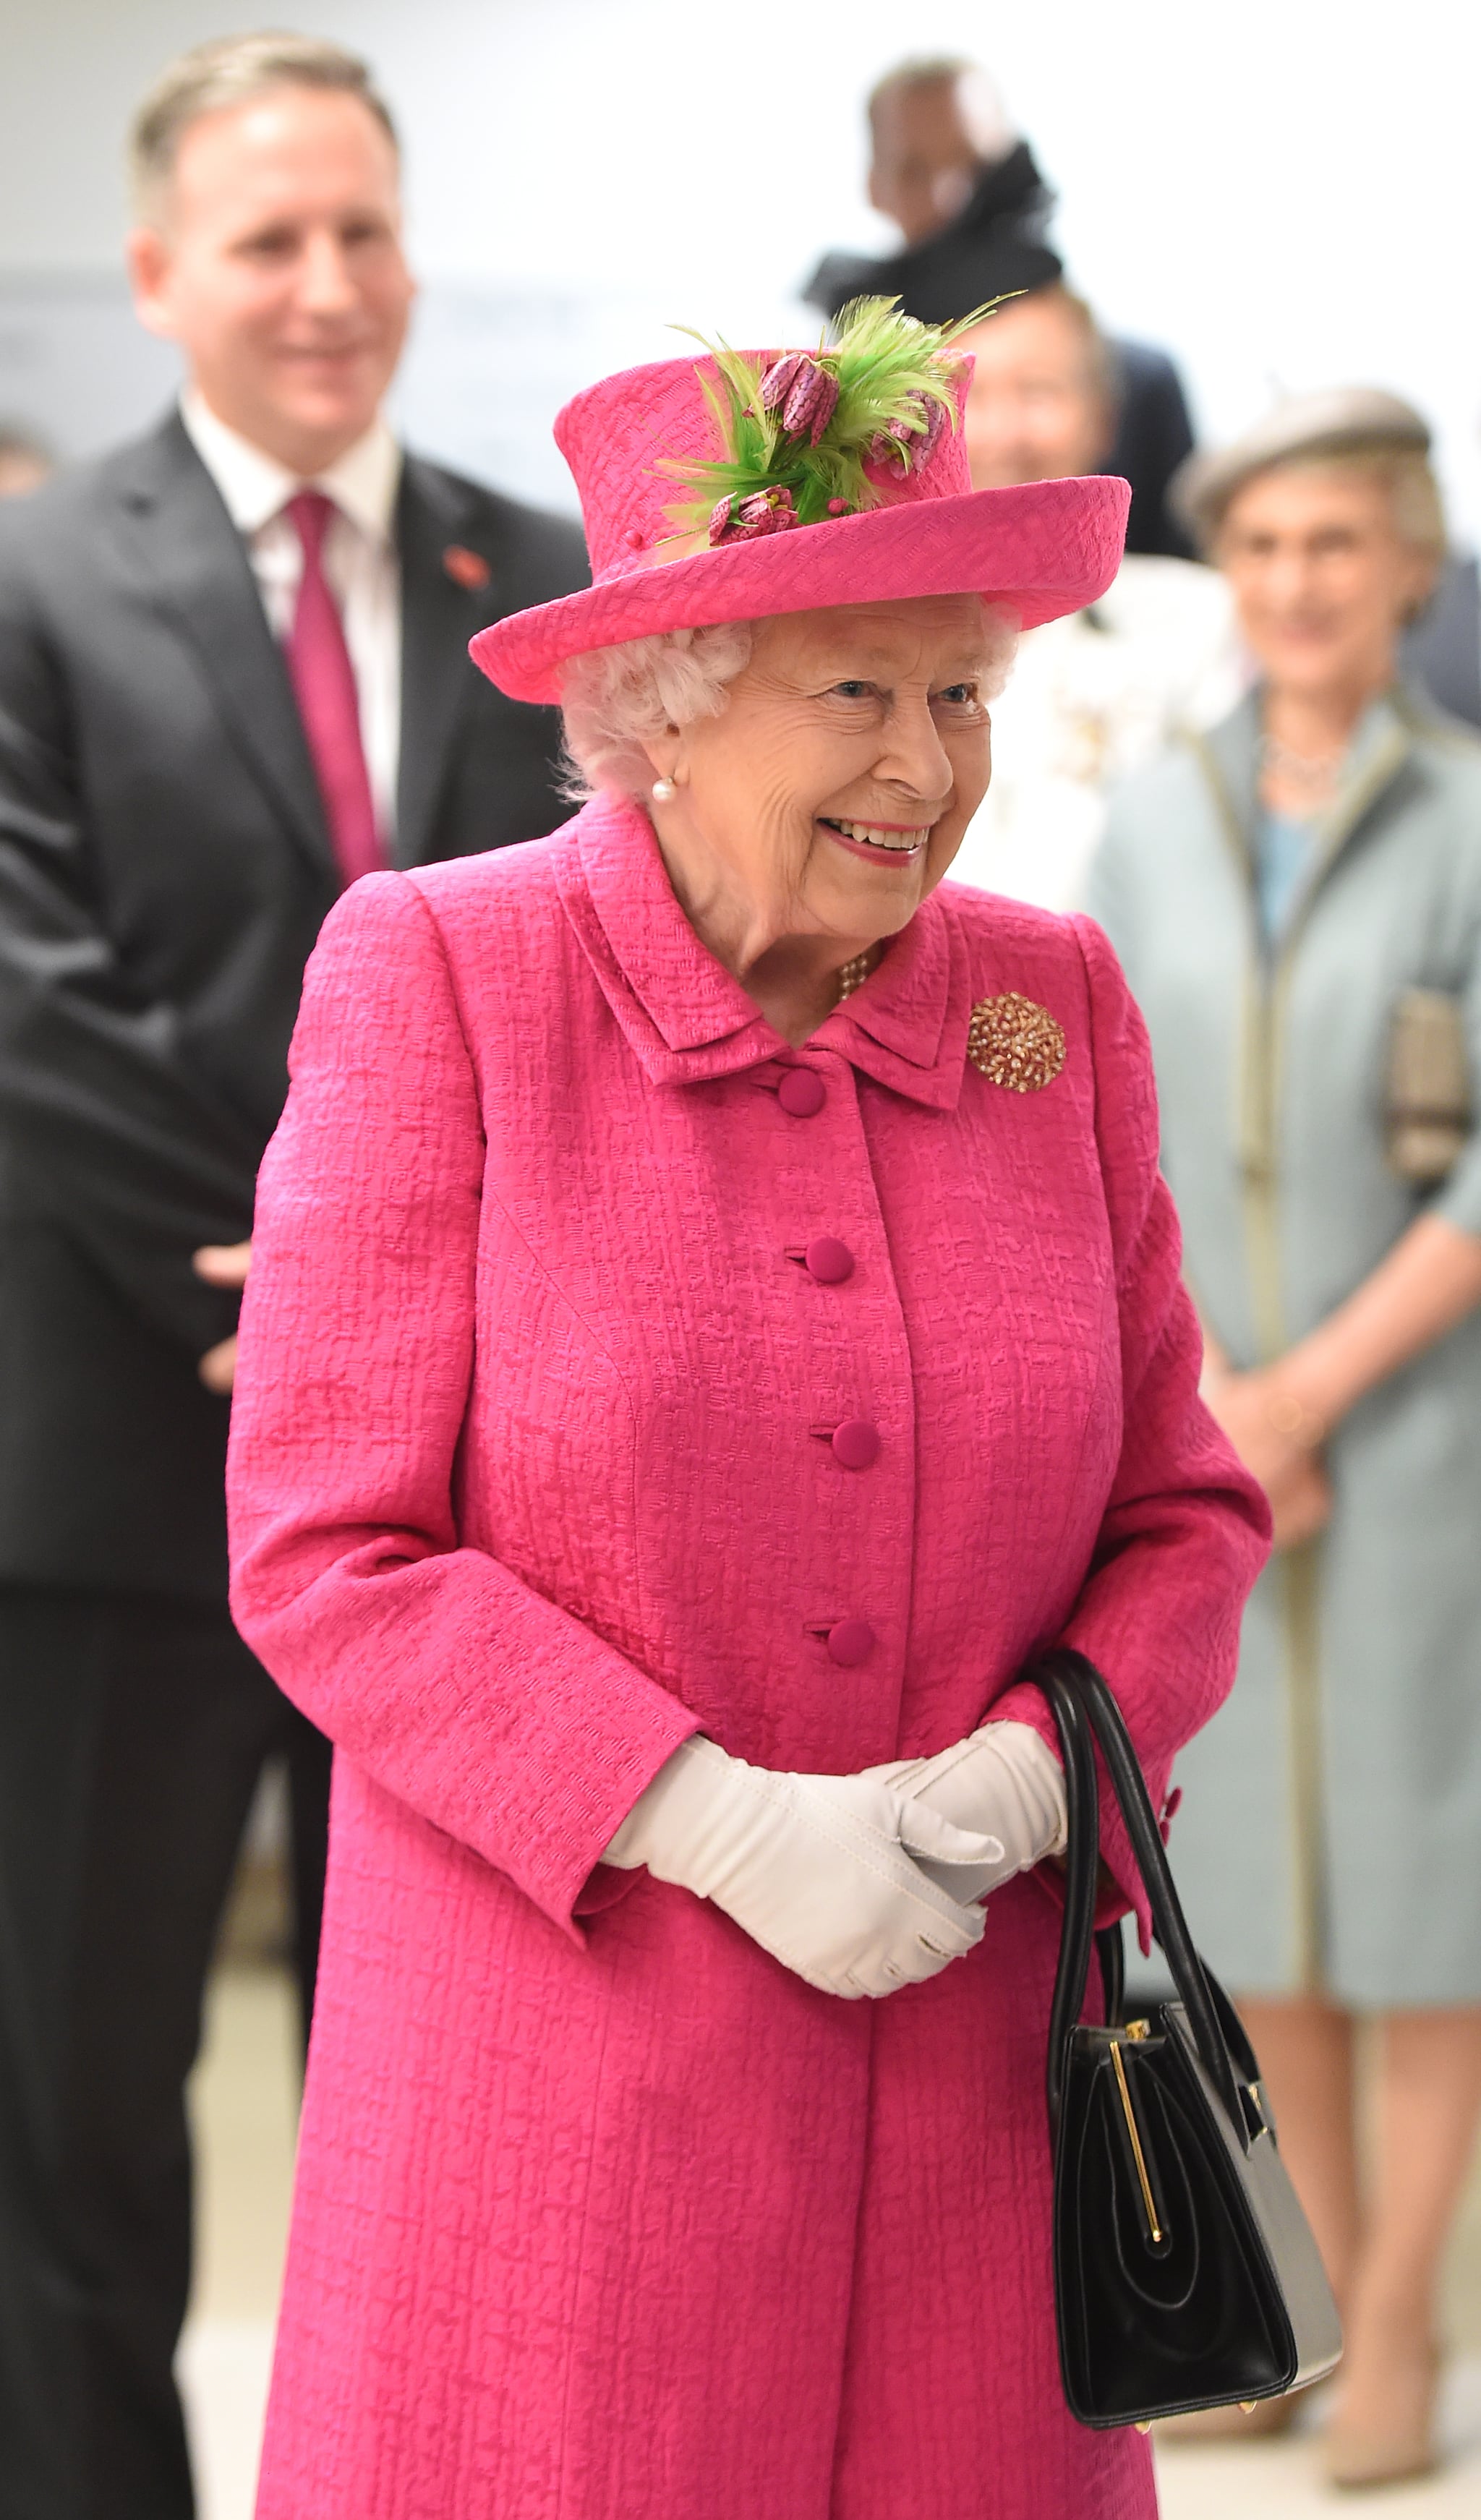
1185	2274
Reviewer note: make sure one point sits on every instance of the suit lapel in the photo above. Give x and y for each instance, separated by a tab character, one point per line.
197	567
438	617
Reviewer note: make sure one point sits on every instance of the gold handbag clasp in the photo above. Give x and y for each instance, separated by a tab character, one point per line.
1134	2031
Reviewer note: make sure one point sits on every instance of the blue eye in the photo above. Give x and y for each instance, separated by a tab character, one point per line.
852	691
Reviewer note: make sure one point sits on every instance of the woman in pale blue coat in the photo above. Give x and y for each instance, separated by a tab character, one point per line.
1297	902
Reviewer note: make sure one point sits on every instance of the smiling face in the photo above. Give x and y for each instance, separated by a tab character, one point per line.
275	261
814	815
1322	578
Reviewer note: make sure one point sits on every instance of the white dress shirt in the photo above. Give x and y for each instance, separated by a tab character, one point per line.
360	562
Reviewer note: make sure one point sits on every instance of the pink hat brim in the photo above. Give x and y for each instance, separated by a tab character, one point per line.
1038	549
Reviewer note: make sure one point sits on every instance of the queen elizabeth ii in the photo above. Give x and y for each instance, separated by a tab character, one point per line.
715	1317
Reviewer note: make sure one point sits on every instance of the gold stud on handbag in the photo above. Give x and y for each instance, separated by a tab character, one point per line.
1427	1104
1185	2274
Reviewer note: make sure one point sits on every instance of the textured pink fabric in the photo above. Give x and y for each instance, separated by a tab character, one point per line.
599	2212
1037	550
324	683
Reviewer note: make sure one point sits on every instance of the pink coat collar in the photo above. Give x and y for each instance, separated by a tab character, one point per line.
688	1019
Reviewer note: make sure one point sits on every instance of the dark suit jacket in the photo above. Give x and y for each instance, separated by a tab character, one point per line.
1153	435
165	868
997	247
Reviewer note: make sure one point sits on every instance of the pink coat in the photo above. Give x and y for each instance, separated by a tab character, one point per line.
601	2214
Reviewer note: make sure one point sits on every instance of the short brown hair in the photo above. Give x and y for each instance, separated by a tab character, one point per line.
1100	362
1100	359
212	78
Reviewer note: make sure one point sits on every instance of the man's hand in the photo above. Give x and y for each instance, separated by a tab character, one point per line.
222	1263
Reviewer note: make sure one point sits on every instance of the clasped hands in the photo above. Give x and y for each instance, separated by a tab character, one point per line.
1280	1440
858	1884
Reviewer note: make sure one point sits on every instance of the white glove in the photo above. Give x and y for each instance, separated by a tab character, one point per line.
817	1870
1002	1780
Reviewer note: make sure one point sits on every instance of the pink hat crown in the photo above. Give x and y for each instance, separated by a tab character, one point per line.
631	439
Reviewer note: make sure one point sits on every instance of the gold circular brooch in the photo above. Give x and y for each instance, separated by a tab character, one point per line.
1015	1043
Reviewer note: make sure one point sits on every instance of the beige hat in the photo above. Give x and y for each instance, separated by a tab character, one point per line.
1339	421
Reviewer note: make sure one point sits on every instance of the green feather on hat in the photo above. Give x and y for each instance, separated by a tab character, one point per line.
802	435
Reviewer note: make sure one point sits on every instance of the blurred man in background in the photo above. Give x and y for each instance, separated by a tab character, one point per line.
1098	694
232	677
962	185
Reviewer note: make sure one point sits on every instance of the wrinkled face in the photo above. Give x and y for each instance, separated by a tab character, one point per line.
1035	409
830	794
1322	580
926	159
276	264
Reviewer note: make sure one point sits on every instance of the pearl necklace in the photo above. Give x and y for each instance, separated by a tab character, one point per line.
1318	774
853	973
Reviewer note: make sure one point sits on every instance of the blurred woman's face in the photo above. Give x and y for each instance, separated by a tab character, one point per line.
1322	580
832	793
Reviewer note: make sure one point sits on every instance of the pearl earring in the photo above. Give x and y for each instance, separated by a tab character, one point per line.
664	791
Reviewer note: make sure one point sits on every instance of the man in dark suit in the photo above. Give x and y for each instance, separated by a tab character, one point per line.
233	674
974	211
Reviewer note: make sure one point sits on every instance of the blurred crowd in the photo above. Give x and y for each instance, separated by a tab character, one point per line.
234	676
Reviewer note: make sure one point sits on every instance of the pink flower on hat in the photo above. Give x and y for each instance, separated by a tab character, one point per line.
906	449
744	520
804	391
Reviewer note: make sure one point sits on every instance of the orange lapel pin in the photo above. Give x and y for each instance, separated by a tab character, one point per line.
468	569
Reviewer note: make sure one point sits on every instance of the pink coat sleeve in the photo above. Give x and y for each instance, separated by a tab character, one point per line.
1186	1529
485	1707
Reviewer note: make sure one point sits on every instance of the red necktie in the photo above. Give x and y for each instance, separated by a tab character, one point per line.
324	681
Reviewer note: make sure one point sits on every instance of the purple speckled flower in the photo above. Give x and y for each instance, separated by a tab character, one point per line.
906	449
779	377
925	445
765	511
804	393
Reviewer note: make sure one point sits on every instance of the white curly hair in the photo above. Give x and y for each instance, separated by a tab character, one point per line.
615	700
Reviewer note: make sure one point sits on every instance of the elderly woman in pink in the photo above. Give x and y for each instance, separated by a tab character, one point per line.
715	1318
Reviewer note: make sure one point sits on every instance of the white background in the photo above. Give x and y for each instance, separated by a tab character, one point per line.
1283	195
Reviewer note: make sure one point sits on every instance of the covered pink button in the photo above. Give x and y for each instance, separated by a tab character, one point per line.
856	1444
851	1641
801	1092
829	1260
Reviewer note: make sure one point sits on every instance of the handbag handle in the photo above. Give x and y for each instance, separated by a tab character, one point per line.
1082	1855
1085	1711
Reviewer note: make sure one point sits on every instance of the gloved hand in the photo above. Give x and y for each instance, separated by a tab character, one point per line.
1002	1780
822	1871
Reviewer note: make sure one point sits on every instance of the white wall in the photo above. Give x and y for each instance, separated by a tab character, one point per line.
1284	194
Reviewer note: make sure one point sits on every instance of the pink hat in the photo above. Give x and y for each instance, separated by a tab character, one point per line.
774	431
